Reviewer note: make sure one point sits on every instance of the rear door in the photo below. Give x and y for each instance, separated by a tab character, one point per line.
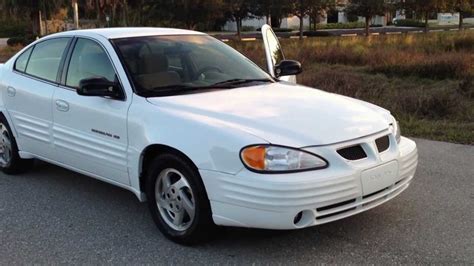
90	133
30	87
274	52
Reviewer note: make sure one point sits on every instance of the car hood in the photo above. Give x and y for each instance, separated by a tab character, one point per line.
281	113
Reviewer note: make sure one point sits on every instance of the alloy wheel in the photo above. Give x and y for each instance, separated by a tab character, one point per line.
175	199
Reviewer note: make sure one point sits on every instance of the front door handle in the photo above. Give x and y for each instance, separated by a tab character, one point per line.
62	106
11	91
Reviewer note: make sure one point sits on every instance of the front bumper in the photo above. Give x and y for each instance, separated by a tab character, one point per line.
274	201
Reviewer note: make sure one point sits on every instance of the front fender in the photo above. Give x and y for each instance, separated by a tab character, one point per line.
210	144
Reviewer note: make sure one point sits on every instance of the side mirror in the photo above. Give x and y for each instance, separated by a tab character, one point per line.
100	87
288	68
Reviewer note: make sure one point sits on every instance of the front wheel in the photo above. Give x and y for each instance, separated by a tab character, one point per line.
178	200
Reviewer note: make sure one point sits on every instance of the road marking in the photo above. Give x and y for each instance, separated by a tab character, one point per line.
392	33
297	37
249	39
349	35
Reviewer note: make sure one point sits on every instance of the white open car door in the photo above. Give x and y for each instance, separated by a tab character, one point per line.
274	52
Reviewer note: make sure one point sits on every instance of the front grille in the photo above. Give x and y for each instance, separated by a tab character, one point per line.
382	143
353	153
333	206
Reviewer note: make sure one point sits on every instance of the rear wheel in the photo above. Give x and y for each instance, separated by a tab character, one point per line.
178	200
10	161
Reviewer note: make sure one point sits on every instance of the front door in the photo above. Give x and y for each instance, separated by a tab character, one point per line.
90	133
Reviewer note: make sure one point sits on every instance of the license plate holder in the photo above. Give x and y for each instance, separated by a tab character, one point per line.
379	177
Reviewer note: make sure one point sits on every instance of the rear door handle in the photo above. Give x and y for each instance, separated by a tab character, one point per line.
62	106
11	91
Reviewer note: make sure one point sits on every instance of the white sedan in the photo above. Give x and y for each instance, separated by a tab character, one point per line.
193	127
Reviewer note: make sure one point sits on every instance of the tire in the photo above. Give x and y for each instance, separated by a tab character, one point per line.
10	161
182	212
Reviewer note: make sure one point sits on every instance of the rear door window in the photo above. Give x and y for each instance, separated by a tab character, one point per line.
45	59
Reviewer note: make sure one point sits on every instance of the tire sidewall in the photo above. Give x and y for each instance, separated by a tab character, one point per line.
15	158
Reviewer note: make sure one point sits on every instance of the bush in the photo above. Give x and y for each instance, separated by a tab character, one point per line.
282	30
20	40
409	23
317	33
248	28
350	25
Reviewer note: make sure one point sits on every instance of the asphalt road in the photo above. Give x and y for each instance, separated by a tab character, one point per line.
52	215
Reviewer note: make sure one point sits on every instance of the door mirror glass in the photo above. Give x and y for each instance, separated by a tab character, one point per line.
100	87
288	68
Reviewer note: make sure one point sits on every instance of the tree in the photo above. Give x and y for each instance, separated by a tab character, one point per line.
188	13
367	9
311	8
273	10
425	8
463	7
33	8
238	10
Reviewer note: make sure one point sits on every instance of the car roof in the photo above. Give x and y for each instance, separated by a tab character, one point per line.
127	32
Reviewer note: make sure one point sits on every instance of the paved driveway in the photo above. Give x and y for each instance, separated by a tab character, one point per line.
52	215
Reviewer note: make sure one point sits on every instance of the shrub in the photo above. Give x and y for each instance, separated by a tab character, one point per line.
282	30
20	40
316	33
248	28
409	23
350	25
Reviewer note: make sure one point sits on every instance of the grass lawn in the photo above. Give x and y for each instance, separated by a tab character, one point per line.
425	80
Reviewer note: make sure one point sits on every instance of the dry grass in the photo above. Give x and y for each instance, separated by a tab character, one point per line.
6	52
427	81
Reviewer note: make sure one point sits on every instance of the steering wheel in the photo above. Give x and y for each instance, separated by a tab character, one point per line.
207	69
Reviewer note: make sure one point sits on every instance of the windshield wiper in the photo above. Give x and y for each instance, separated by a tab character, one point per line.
181	88
233	82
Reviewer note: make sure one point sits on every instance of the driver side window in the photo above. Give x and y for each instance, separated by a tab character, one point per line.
89	60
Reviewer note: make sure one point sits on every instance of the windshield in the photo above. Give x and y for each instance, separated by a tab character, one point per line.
169	65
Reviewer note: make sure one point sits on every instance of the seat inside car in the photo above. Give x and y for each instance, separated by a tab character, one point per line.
154	72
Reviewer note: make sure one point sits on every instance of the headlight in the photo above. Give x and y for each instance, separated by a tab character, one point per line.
268	158
395	128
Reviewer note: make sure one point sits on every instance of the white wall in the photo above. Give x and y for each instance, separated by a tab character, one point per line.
448	18
253	22
294	22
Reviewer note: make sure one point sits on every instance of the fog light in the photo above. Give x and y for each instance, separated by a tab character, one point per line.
297	218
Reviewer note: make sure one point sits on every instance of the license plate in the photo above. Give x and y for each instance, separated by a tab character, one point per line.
380	177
